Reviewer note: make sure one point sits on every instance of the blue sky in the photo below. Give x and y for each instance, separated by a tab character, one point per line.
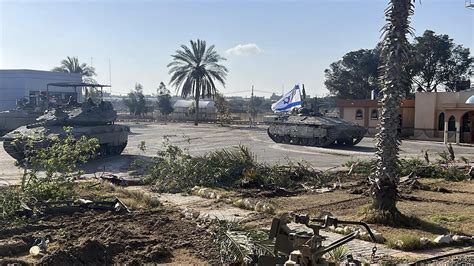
268	44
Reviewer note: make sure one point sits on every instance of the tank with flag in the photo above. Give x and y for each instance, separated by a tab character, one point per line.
294	123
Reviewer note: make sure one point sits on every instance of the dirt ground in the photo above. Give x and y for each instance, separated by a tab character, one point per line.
440	213
152	236
161	235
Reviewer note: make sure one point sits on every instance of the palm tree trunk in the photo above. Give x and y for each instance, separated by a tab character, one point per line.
394	81
196	97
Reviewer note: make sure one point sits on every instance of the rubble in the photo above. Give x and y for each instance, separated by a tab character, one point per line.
443	239
424	241
347	230
399	244
461	238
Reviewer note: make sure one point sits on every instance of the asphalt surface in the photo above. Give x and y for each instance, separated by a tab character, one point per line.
208	137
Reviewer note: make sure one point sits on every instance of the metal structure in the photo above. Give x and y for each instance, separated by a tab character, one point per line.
95	120
313	130
27	112
294	247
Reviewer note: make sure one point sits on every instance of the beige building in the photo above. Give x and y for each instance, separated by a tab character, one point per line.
366	113
442	116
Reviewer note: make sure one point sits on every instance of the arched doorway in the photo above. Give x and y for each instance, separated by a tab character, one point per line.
441	122
452	123
467	127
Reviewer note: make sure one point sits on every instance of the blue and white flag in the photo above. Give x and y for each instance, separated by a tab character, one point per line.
289	101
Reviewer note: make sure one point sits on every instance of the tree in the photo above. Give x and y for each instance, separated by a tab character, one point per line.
435	62
72	65
394	79
355	76
439	63
164	100
223	108
162	90
135	101
194	71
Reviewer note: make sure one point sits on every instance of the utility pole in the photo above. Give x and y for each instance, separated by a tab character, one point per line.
110	73
251	109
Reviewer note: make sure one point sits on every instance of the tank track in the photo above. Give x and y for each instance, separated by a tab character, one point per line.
108	150
13	150
314	142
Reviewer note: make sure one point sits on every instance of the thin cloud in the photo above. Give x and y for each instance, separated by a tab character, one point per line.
244	50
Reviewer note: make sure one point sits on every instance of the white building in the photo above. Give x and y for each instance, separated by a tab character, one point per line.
183	110
31	84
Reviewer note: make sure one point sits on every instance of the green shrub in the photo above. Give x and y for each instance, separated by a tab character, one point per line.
48	173
420	167
174	170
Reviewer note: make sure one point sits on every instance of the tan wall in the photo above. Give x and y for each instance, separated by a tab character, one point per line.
349	115
425	103
408	115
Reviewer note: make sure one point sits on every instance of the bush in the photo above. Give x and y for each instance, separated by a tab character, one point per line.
174	170
420	167
48	173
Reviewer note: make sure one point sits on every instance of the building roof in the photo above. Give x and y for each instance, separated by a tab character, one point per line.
370	103
356	103
30	73
189	103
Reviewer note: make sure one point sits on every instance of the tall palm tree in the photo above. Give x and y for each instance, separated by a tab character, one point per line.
72	65
393	81
194	71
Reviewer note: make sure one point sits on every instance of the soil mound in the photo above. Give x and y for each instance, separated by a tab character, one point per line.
98	238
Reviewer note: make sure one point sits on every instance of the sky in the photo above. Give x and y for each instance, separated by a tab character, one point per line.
270	44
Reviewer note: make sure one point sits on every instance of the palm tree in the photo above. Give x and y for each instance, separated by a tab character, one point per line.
72	65
393	81
194	71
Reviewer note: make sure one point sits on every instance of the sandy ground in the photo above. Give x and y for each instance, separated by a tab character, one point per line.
209	137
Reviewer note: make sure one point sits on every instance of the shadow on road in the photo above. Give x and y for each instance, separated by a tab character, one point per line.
353	148
115	164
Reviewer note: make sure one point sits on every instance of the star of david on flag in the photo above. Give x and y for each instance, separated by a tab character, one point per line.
289	101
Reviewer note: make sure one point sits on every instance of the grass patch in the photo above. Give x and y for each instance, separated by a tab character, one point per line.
339	254
453	218
405	242
453	222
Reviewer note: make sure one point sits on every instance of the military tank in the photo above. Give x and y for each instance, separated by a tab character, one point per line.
24	114
313	130
87	119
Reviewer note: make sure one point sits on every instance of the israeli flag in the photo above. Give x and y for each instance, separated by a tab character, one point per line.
289	101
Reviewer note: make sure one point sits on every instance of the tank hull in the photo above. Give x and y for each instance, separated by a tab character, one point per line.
314	131
10	120
112	138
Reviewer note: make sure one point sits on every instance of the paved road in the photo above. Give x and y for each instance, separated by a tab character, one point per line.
208	137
